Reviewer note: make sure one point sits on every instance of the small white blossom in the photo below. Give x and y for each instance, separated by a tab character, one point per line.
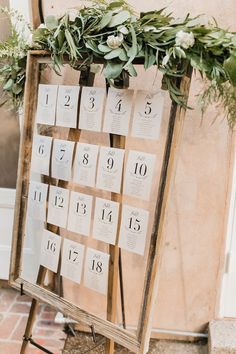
73	13
114	42
123	29
184	39
42	25
149	28
165	59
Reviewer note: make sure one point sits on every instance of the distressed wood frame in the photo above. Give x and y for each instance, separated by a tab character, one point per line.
137	343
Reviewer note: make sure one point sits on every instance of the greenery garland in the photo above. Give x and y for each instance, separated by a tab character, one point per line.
113	32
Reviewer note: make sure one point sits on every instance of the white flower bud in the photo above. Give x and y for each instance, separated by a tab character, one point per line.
184	39
114	42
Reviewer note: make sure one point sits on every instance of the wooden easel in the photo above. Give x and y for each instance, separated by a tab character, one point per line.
86	79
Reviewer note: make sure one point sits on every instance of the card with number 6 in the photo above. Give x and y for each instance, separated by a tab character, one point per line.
41	153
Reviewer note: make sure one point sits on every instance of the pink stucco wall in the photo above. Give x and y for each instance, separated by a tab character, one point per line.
189	288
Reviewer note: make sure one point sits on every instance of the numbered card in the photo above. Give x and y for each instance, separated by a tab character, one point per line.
133	230
80	210
85	164
62	156
37	200
105	220
118	111
91	108
58	206
110	169
67	106
139	174
41	152
46	108
50	250
148	114
72	260
96	270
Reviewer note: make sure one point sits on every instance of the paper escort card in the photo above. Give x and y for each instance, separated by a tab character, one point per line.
85	164
72	260
148	112
50	250
67	106
105	220
46	108
37	200
80	210
133	230
118	111
96	270
62	156
139	174
110	169
41	152
58	206
91	108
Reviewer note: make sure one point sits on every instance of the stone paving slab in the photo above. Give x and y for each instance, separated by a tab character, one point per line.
222	337
14	311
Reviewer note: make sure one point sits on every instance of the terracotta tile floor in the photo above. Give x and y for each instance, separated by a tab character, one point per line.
14	311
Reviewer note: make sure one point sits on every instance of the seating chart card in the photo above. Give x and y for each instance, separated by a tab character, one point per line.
133	230
105	220
148	113
50	250
139	174
118	111
85	164
96	270
41	153
37	200
46	108
62	155
67	106
91	108
58	206
80	210
72	260
110	168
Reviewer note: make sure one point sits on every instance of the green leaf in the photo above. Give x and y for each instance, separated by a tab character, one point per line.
105	20
131	69
123	55
104	48
8	85
51	22
119	18
132	52
112	70
113	54
16	89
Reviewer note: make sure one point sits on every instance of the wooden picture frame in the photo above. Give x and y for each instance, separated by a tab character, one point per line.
140	343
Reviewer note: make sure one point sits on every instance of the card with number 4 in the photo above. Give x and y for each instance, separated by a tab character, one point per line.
118	111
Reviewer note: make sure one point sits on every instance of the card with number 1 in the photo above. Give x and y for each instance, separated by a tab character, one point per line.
46	108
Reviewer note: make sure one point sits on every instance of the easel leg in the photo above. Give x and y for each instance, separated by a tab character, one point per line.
33	312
